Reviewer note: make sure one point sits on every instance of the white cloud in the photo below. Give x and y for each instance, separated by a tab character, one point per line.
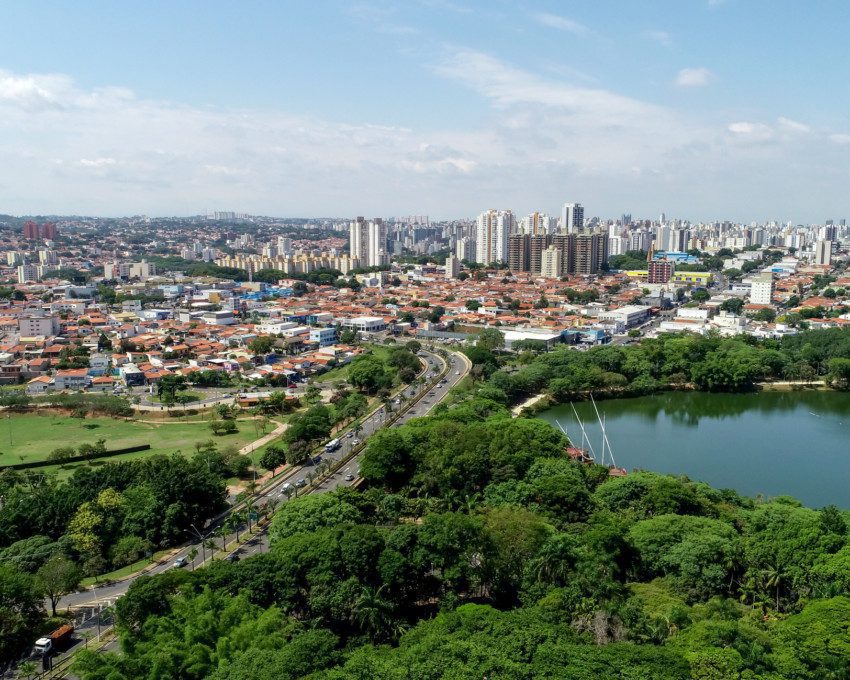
793	125
694	77
559	22
96	162
751	131
32	92
784	130
66	149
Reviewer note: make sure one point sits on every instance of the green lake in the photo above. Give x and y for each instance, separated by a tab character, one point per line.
770	443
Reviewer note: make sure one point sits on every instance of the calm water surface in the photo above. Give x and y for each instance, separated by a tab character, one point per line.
772	443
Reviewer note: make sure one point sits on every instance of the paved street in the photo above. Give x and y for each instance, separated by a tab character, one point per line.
458	367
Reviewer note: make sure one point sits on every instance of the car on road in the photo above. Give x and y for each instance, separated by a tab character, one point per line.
457	372
356	442
233	557
181	562
350	435
349	477
300	483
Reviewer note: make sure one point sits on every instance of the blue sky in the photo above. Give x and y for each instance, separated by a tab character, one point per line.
706	109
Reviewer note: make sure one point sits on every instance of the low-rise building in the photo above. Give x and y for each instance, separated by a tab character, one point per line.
628	316
72	379
323	336
366	324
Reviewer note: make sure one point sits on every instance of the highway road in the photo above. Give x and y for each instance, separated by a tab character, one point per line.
458	366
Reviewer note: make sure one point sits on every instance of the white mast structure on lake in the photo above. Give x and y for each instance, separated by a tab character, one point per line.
605	441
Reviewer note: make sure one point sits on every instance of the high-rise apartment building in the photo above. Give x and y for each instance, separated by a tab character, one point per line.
536	224
358	238
491	235
27	273
550	263
284	245
116	270
536	246
761	291
566	244
662	238
377	249
142	270
577	253
639	240
46	256
589	253
660	271
679	240
452	267
30	230
367	241
823	252
572	218
615	245
465	249
518	253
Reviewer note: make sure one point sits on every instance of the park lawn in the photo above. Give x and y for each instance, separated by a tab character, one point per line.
31	437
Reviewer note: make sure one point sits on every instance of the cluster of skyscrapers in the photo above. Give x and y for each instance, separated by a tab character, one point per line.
34	231
537	244
819	241
555	246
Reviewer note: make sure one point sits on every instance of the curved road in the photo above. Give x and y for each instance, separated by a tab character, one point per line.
458	367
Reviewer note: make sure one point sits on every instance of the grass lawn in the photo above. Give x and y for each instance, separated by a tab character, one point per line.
123	572
31	437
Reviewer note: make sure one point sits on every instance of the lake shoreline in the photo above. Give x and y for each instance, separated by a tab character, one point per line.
771	442
542	401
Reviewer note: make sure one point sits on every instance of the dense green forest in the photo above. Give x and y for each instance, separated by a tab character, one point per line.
105	517
708	363
478	549
53	533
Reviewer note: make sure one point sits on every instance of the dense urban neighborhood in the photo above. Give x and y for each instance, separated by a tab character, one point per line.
187	393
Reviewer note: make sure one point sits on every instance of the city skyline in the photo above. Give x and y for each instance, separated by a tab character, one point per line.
709	111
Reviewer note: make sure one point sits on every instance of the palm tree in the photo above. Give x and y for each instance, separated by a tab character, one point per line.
249	508
192	554
774	577
222	532
270	506
235	521
372	613
554	563
209	544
